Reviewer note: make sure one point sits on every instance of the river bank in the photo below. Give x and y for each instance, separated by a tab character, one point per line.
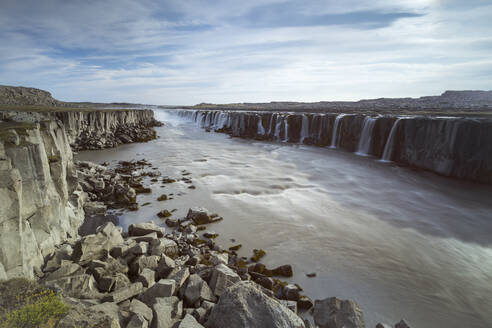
375	233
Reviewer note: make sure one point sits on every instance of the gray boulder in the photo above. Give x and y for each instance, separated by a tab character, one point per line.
82	317
189	322
245	305
137	321
147	277
222	277
336	313
197	290
95	247
166	312
199	215
140	308
124	293
142	229
162	288
402	324
179	274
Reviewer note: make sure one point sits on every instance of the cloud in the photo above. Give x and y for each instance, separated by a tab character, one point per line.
184	52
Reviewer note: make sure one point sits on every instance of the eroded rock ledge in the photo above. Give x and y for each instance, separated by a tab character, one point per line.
42	201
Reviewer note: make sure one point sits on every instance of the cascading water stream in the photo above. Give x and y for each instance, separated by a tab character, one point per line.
388	148
277	127
261	129
286	129
338	119
304	128
365	141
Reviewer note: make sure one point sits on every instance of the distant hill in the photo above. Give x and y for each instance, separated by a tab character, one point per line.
449	100
22	96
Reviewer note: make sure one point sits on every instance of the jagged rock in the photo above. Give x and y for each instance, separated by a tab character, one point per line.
291	305
164	214
165	266
142	262
140	248
164	246
382	325
64	252
122	249
162	288
283	271
137	321
291	292
148	238
335	313
94	247
304	303
200	314
199	215
82	317
189	322
180	275
221	278
140	308
91	223
79	285
402	324
124	293
110	309
245	305
172	222
67	268
220	258
142	229
197	290
147	277
166	312
94	208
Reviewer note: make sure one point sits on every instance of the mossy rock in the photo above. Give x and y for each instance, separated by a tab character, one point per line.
162	197
258	254
164	214
235	247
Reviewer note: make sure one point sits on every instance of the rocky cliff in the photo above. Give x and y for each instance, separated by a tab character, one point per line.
42	201
451	146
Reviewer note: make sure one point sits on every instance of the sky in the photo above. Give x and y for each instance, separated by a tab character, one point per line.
183	52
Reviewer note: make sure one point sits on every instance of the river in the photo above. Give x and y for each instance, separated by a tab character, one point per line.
402	243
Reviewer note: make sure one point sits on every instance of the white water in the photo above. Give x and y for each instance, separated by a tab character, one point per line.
334	136
286	129
304	128
365	140
261	130
388	148
403	244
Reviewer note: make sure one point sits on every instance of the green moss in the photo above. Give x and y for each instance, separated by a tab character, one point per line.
162	197
235	247
54	159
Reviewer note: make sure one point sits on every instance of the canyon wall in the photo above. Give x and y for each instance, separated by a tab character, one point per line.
42	202
450	146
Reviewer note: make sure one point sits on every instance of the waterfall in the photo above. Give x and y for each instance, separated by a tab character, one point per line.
261	129
270	126
334	136
304	128
365	141
277	126
388	148
286	129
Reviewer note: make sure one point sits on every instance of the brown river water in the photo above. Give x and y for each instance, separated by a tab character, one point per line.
402	243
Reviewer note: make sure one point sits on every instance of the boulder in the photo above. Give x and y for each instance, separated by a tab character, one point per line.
147	277
221	278
197	290
94	208
142	229
402	324
291	292
199	215
110	309
245	305
144	262
124	293
162	288
189	322
179	275
166	312
148	238
137	321
139	308
336	313
164	246
165	266
291	305
283	271
95	247
82	317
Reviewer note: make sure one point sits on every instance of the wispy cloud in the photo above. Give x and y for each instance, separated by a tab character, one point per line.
182	52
